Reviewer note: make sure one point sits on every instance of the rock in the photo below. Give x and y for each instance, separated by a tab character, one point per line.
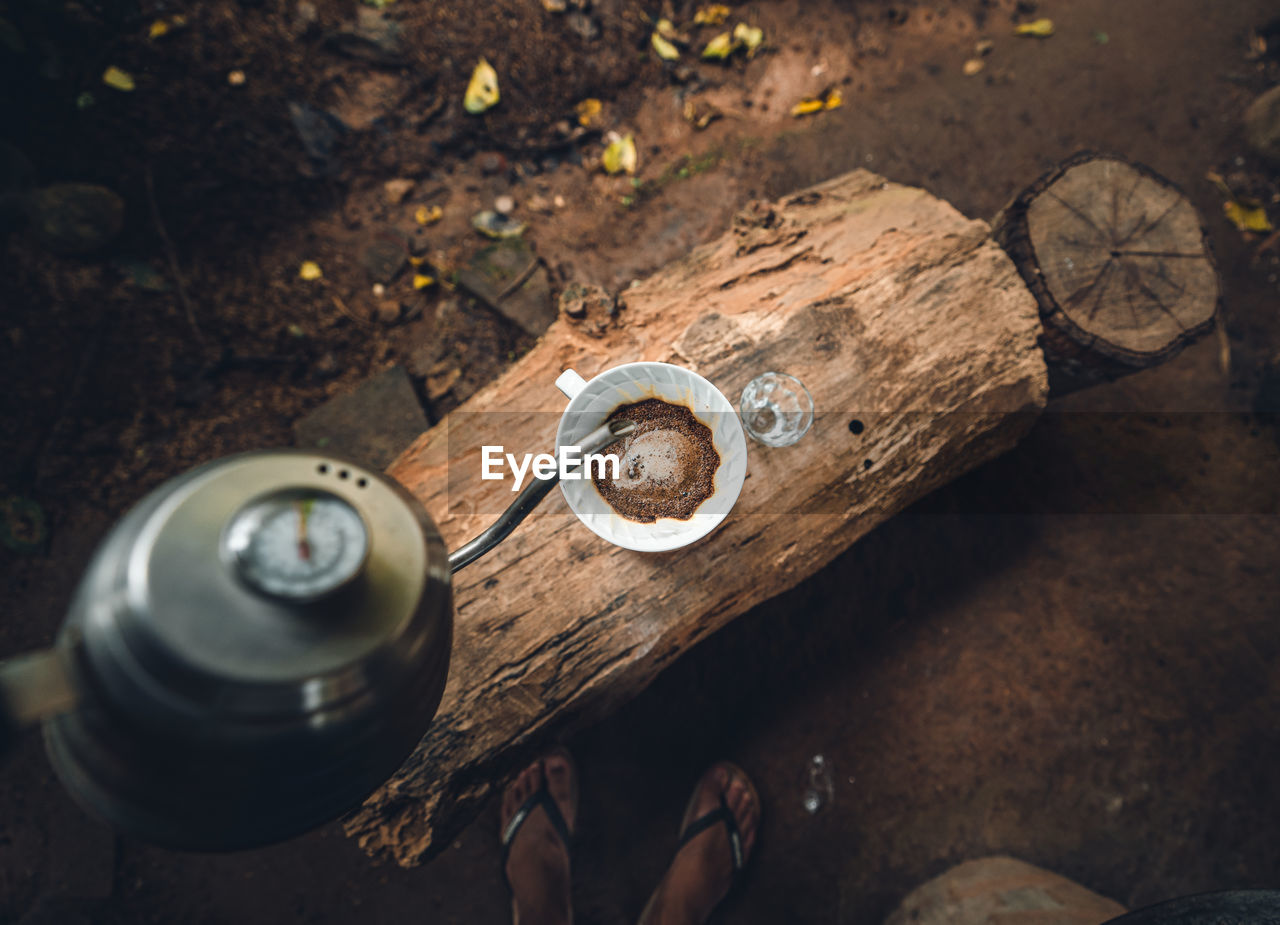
74	218
319	132
374	423
492	163
584	25
577	301
441	378
397	190
388	311
1262	125
491	274
326	367
376	38
384	255
504	205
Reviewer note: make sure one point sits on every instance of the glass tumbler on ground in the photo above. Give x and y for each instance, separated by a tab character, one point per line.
776	409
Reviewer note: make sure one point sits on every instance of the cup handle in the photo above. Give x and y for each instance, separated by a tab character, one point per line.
571	384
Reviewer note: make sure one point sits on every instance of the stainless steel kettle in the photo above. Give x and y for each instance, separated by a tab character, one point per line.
253	649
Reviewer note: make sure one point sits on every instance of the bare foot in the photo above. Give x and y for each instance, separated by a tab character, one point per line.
538	859
702	871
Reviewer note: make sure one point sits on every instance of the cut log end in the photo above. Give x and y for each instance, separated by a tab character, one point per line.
1118	263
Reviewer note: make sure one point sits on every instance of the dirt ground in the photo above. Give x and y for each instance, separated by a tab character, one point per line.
1067	656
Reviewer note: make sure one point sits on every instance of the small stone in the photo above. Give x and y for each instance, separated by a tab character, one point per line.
983	47
491	163
1262	125
441	378
504	205
236	78
539	204
379	290
326	367
973	66
397	190
75	218
577	301
555	6
388	311
384	256
584	25
559	201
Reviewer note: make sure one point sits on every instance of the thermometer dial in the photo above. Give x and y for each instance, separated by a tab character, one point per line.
298	544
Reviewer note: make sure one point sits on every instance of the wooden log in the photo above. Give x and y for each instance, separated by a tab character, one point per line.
918	341
1119	265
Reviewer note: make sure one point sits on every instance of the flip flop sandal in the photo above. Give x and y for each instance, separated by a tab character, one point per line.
541	797
691	829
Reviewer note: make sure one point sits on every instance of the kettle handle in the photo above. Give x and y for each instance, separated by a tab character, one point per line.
33	687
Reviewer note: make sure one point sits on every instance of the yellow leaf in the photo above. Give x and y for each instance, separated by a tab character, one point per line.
117	79
719	47
749	37
482	91
807	106
309	270
666	51
834	100
587	111
158	28
1246	217
711	15
422	281
1040	28
667	29
620	156
416	261
424	216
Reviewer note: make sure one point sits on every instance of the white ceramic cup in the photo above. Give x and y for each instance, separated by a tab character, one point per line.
591	402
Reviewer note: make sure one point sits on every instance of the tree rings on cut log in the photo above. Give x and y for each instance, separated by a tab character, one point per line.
1118	262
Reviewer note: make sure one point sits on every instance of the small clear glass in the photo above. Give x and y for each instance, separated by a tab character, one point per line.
776	409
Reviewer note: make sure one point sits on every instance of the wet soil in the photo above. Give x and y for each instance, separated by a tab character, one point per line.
1067	656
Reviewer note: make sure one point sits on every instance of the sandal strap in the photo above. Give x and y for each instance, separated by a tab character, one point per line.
540	797
721	814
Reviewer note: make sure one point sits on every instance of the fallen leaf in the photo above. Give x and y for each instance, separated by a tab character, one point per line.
832	99
666	28
158	28
310	270
1246	215
1040	28
422	281
700	115
117	79
748	37
424	216
620	155
588	110
711	15
666	51
973	66
719	47
482	91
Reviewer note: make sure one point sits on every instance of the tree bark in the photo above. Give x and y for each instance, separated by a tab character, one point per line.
918	341
1118	263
